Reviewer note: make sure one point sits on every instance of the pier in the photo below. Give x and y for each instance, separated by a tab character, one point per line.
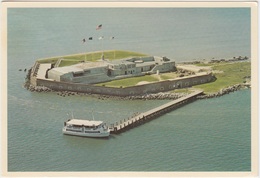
147	116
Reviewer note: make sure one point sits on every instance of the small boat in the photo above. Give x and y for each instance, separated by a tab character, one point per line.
85	128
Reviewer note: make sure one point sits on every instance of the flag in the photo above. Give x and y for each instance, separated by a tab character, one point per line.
101	38
99	27
90	38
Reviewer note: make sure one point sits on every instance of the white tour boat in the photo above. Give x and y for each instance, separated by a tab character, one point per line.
85	128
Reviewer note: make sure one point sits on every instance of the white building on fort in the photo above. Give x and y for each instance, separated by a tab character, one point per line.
103	71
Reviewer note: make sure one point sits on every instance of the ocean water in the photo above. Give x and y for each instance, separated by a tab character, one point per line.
206	135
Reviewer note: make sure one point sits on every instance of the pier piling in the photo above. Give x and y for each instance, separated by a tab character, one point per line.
147	116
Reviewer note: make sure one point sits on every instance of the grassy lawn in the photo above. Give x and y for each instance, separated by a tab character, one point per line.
233	73
170	75
49	60
94	56
129	81
135	80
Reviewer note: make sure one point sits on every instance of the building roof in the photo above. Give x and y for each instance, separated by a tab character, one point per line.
145	64
79	68
87	65
84	122
121	62
84	66
67	69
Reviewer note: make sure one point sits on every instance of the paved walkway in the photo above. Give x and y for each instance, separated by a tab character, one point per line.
58	62
42	70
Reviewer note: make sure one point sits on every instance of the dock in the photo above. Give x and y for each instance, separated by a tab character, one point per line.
126	124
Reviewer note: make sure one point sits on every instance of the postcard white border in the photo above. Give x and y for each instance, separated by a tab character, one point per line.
254	80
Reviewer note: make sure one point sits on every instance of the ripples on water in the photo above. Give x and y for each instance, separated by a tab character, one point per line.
215	138
206	135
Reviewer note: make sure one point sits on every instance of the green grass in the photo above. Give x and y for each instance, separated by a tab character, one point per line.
233	73
68	62
49	60
127	82
170	75
93	56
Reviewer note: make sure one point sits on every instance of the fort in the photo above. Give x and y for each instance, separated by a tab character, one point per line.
83	76
105	70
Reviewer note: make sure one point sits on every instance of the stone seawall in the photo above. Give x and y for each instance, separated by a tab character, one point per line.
139	90
155	96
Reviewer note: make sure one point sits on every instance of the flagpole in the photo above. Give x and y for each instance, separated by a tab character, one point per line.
86	54
102	49
84	41
114	50
102	44
102	38
112	38
99	27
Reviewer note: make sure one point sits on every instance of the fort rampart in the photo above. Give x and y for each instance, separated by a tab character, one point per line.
157	87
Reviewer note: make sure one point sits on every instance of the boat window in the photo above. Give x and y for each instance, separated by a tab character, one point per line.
89	131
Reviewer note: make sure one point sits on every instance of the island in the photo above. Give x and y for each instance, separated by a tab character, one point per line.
135	75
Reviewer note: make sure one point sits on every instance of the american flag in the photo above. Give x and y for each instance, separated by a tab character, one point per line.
99	27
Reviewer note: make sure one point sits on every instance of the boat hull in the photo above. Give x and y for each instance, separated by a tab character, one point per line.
83	134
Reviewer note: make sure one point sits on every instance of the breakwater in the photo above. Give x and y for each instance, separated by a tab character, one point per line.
224	91
153	96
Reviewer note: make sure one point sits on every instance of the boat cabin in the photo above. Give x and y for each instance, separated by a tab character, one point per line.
76	123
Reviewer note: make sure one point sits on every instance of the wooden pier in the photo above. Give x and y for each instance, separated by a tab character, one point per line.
141	118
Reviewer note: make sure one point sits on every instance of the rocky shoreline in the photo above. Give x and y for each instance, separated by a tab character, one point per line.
157	96
224	91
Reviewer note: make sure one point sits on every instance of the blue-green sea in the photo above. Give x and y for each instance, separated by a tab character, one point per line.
206	135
